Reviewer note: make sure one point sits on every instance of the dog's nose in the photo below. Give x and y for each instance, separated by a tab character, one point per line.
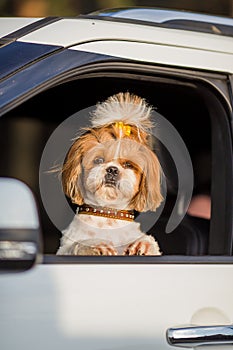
112	173
113	170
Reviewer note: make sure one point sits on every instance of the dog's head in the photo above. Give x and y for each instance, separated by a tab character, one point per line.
113	166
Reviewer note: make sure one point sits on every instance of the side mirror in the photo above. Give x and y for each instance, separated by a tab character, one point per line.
20	238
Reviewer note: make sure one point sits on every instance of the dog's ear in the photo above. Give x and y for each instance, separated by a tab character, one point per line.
72	171
72	167
149	196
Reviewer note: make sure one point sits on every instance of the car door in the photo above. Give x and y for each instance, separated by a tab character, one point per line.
121	302
117	306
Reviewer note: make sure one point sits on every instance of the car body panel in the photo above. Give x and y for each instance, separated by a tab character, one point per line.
21	55
110	306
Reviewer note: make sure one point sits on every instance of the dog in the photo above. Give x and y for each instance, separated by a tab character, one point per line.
110	172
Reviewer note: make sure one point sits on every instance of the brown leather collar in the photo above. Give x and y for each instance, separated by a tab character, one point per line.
107	212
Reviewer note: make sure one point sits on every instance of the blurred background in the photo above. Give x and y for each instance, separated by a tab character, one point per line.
41	8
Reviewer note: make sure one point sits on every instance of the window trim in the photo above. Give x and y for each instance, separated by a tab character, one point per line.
50	259
215	86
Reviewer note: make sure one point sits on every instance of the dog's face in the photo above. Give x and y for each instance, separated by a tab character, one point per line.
103	170
111	174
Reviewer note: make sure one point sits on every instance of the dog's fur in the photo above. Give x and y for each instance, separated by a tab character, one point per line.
135	184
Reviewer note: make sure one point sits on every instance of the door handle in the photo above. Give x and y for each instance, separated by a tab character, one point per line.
192	336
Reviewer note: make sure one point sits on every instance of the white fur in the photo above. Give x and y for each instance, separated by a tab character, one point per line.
88	230
98	194
115	109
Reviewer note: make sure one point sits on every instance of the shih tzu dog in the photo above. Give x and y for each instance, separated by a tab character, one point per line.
110	172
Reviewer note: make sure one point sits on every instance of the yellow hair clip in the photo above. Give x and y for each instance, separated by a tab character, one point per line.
123	128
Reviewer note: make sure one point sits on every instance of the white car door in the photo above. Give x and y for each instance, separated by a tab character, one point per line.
114	306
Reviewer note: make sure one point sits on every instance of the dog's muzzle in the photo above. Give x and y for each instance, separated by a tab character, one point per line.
112	175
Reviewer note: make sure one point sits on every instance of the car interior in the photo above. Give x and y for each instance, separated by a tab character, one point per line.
183	102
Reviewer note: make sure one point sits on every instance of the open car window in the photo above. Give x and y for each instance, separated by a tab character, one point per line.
195	110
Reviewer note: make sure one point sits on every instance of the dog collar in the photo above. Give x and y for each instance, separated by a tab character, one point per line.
107	212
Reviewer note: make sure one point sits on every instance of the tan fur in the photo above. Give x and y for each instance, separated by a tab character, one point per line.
148	195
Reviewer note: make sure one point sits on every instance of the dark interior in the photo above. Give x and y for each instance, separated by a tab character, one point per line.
26	129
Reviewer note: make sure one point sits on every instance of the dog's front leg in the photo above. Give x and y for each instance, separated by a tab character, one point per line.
146	245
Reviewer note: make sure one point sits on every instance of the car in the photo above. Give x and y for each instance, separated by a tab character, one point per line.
53	72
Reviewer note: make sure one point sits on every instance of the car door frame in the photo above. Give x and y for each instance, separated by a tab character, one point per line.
63	65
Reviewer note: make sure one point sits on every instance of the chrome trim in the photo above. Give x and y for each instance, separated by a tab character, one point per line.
193	336
17	250
185	20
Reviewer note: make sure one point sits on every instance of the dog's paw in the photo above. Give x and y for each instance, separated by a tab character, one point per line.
100	249
144	246
104	249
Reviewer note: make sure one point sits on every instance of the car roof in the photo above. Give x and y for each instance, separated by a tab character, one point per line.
195	40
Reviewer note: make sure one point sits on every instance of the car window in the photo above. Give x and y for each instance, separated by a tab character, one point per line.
193	109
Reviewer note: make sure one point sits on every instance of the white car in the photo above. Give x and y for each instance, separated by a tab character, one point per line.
52	72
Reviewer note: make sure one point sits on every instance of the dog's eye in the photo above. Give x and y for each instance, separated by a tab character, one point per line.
99	160
127	165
